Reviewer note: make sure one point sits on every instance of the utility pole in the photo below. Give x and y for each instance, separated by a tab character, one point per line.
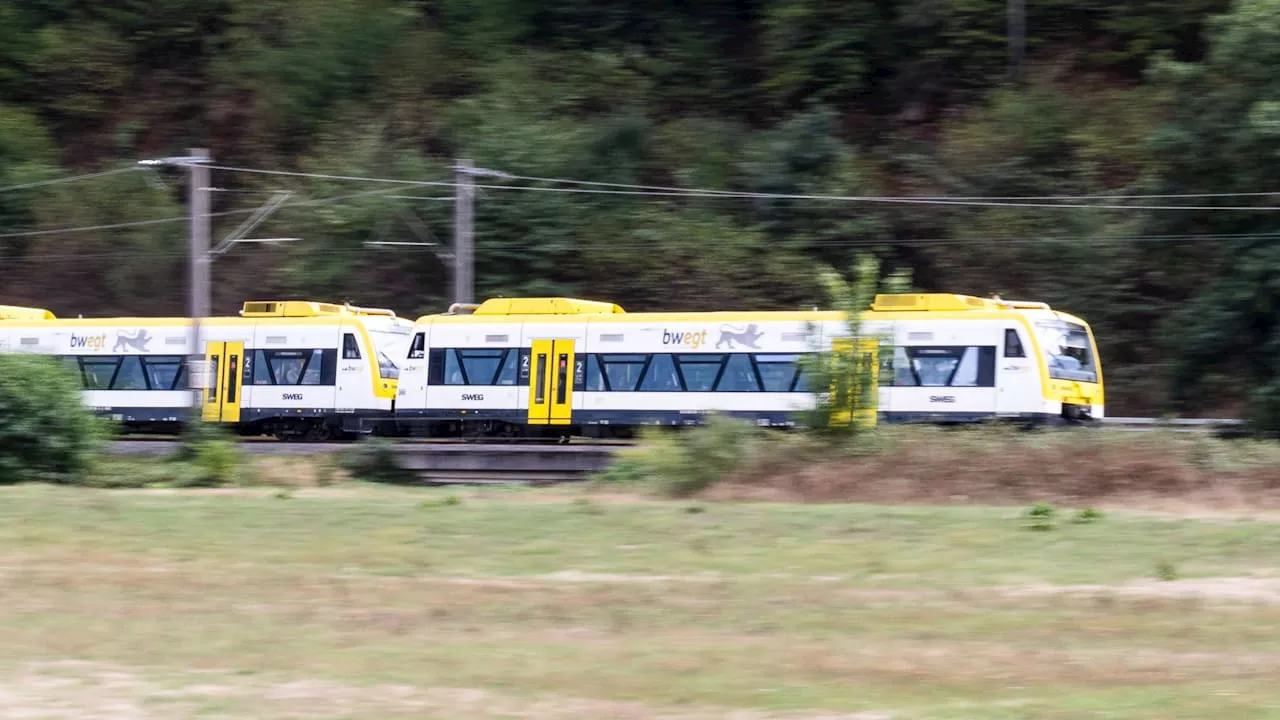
464	194
1017	10
198	206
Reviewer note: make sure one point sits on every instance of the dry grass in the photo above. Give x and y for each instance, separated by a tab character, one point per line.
357	601
925	465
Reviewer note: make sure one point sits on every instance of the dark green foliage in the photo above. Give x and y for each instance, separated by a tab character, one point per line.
375	459
46	434
682	463
800	97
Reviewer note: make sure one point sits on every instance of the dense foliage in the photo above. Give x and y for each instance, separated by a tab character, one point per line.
46	434
849	97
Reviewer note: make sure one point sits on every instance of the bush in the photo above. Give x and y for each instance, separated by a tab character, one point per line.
212	457
46	433
687	461
374	459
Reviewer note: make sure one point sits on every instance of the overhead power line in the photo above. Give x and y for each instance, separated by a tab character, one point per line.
74	178
593	187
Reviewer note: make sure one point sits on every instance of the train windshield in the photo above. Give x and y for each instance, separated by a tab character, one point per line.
390	342
1068	351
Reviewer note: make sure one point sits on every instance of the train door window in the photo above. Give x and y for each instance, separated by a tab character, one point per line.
454	373
987	366
98	372
661	375
418	348
540	387
1013	344
700	371
482	366
738	375
562	378
510	368
595	380
777	372
350	348
162	372
623	371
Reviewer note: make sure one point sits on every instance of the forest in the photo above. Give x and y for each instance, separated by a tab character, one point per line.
1122	171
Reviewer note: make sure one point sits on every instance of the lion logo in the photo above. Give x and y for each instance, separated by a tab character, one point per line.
138	341
730	335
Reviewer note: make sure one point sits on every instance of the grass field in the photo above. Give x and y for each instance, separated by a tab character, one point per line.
364	602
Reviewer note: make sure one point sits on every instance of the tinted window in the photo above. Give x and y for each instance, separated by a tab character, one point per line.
1013	344
623	371
163	373
510	368
595	378
661	375
98	372
777	372
700	371
350	348
418	347
738	375
130	376
435	367
481	366
453	369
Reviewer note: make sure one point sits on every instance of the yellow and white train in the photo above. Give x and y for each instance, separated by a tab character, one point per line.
561	366
556	367
293	369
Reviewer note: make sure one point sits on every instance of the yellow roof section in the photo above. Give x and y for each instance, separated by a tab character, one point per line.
546	306
13	312
934	302
306	308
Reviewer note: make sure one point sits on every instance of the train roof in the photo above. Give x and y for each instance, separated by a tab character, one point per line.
887	306
304	311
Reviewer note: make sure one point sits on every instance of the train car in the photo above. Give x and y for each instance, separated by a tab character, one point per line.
562	366
293	369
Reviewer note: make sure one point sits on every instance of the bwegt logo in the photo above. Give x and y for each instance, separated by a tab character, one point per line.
89	342
693	340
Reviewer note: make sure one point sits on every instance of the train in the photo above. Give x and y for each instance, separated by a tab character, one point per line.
557	367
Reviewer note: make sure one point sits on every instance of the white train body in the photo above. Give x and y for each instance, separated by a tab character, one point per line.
580	364
295	369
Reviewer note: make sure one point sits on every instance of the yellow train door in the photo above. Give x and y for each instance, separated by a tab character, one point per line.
551	382
225	361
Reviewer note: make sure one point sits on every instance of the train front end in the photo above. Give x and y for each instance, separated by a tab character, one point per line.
1071	368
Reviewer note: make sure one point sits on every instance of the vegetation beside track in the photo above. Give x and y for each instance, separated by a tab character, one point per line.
358	601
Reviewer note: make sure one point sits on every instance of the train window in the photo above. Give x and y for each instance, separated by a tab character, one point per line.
162	372
956	366
562	378
261	371
213	380
350	348
700	371
287	366
595	380
661	375
418	347
435	367
98	372
540	386
1013	344
934	366
314	373
967	371
482	366
777	372
623	371
72	363
507	376
130	375
738	375
454	373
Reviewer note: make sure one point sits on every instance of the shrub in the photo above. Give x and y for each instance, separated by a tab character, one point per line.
46	433
213	457
374	459
685	462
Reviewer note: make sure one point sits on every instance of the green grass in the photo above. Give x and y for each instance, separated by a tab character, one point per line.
358	601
